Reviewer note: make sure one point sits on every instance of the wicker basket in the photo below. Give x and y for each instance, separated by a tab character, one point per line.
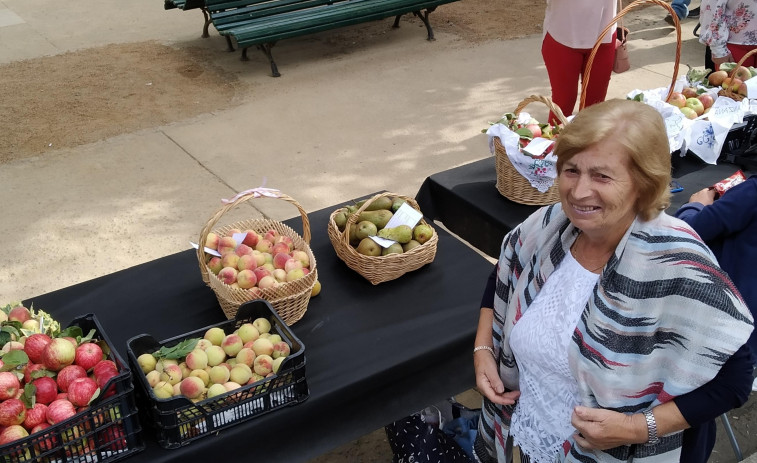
728	92
609	27
510	183
379	269
290	300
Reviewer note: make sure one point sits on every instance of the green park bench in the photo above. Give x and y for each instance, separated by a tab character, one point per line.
261	23
190	5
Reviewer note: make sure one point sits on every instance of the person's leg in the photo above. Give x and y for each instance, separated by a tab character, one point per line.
681	8
601	70
564	66
738	52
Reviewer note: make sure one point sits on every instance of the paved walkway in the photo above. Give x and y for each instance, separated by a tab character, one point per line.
331	128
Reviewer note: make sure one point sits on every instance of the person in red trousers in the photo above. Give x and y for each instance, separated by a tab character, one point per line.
571	28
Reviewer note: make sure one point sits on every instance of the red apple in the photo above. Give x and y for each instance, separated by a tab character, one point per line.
30	369
68	374
12	433
12	411
81	391
19	314
60	410
689	92
742	73
732	84
59	353
47	389
9	385
677	99
535	130
706	99
35	416
103	372
88	355
49	442
35	346
114	438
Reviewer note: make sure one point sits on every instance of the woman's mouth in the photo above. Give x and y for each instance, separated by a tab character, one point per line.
585	209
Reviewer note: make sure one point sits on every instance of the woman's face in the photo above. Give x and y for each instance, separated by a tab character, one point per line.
597	191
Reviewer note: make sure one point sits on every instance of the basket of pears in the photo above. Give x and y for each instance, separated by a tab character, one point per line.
382	237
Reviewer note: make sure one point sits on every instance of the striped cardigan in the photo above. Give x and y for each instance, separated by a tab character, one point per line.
661	321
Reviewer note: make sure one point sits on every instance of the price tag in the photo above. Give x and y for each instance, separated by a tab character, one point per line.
405	215
212	252
538	146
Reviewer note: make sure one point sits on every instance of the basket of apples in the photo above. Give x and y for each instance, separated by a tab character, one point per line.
202	382
64	394
733	83
259	259
524	161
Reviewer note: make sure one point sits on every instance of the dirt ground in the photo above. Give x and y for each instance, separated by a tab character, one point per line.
92	94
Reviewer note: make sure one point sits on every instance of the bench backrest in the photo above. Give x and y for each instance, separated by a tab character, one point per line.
224	12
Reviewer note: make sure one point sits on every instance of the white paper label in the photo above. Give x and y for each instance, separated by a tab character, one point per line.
538	146
212	252
405	215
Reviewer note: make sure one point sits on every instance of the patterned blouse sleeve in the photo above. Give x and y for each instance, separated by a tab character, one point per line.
714	27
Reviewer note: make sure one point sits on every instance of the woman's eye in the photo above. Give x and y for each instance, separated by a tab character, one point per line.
602	177
570	171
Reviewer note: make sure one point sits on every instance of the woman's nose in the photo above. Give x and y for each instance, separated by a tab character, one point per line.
582	187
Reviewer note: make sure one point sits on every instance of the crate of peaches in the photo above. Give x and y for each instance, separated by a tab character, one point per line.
202	382
65	395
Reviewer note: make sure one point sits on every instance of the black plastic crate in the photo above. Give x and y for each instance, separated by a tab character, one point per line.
108	430
740	147
178	421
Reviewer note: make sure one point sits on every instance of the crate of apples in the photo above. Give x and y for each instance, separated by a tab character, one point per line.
207	380
64	394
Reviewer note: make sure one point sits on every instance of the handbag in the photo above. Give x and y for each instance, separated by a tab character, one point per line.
622	61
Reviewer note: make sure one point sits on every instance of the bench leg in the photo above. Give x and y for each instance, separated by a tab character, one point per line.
424	17
396	24
205	34
266	49
229	45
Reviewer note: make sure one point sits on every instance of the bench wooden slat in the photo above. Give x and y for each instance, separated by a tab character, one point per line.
222	19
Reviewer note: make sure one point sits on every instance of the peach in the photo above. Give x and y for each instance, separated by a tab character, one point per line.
153	378
262	346
197	359
202	374
280	260
274	338
267	282
233	231
263	245
228	275
261	272
255	378
271	235
292	264
240	374
192	387
286	240
226	244
231	385
251	239
277	364
216	390
161	364
230	259
262	324
302	256
219	374
246	356
280	349
243	250
248	332
247	262
215	265
246	279
216	355
263	364
203	344
163	390
259	257
172	374
215	335
232	344
212	240
279	247
147	362
280	275
295	274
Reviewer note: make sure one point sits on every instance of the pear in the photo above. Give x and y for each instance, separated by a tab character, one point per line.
410	245
353	235
422	233
395	248
378	204
369	247
340	218
397	203
379	218
365	229
401	233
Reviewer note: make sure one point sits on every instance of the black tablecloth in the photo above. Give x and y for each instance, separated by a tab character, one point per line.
465	199
374	353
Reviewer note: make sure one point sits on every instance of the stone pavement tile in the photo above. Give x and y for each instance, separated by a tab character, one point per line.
9	18
79	214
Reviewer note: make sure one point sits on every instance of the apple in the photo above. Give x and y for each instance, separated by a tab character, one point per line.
707	100
232	344
13	433
31	325
35	416
60	410
12	411
9	385
58	353
68	374
192	387
88	355
103	372
742	73
35	346
696	105
246	279
677	99
47	390
146	362
743	90
535	130
12	345
716	78
19	314
115	438
732	83
689	92
688	112
228	275
31	369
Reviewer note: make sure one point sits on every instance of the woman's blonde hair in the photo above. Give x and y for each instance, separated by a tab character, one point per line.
639	129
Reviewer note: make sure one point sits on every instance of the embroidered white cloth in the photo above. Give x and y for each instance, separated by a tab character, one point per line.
548	391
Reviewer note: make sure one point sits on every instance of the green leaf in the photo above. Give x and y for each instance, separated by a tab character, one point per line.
40	373
29	396
71	332
14	358
5	338
178	351
525	133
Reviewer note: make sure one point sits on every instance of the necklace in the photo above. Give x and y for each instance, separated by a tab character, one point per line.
579	258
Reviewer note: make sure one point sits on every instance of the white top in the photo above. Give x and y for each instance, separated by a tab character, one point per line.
727	21
548	391
578	23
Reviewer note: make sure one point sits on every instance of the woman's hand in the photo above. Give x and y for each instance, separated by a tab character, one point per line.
602	429
488	381
705	196
718	61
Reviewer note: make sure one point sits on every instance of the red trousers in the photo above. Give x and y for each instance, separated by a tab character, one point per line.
738	52
566	65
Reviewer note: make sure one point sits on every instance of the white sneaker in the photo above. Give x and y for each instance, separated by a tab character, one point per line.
754	385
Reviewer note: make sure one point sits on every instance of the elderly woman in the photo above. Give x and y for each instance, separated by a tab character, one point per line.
605	309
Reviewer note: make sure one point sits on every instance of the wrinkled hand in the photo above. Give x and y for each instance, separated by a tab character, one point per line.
488	381
705	196
718	61
602	429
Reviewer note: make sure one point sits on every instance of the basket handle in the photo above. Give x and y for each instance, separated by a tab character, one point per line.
352	219
239	199
547	101
633	5
741	62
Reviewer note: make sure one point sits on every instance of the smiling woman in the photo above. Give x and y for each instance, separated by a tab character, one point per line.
607	313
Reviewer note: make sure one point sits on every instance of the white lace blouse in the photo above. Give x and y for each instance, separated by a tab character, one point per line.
577	23
548	392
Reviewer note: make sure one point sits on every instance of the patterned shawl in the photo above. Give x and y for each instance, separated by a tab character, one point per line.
661	322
